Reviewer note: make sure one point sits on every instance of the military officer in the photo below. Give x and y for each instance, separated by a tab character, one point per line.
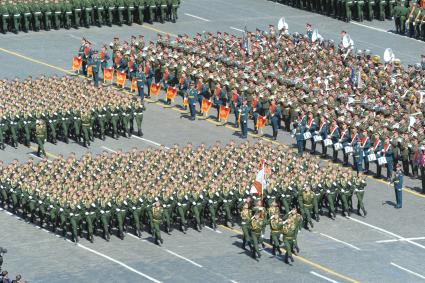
397	180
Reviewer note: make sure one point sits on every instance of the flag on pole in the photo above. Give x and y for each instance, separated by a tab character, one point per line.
108	74
260	183
76	63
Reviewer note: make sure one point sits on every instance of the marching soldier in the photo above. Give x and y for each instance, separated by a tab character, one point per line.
40	133
397	180
157	217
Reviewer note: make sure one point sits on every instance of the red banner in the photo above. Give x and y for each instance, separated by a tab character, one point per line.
171	93
89	71
133	84
206	105
261	122
76	63
224	113
121	78
155	88
108	74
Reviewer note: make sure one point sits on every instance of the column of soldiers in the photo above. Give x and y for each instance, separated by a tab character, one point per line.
410	20
347	10
35	15
52	109
181	187
289	78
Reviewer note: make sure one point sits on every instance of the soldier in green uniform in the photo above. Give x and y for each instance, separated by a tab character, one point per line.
2	131
40	133
26	15
256	228
157	218
120	8
288	231
397	17
110	11
105	215
161	7
307	199
76	13
276	230
130	10
86	127
98	12
150	5
66	10
139	11
57	16
46	14
138	116
4	16
15	15
246	216
381	6
370	6
87	12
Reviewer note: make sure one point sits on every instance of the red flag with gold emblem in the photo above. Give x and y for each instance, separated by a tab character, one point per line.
133	84
89	71
155	88
261	121
171	93
121	78
76	63
224	113
206	105
108	74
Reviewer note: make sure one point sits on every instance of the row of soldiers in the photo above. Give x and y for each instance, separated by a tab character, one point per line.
52	109
347	9
410	20
35	15
178	187
365	147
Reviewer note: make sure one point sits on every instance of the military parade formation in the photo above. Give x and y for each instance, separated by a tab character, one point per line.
328	95
181	187
53	108
39	15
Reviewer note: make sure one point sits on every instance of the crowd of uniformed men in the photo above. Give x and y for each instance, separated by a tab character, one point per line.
410	19
351	98
181	187
360	10
36	15
53	108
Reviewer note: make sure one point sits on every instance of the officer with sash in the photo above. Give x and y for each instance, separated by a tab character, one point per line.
397	180
192	96
243	118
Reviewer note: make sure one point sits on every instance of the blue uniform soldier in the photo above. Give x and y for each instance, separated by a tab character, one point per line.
192	96
274	116
365	145
323	133
236	104
256	108
95	63
299	137
243	118
398	185
141	81
387	151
